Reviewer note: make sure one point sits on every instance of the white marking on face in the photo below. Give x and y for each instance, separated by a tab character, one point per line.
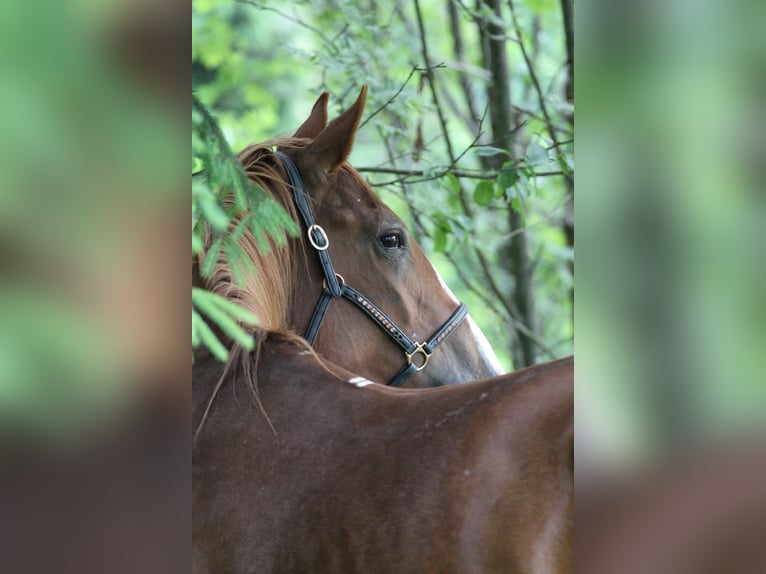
446	289
360	382
485	349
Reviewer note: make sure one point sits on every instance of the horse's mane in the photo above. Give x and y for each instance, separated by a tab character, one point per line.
266	292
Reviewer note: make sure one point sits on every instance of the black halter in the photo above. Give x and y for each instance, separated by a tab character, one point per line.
335	287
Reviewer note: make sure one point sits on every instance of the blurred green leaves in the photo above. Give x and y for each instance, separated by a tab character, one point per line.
54	363
227	315
90	159
670	304
483	193
507	177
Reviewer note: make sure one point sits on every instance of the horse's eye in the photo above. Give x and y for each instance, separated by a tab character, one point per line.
392	240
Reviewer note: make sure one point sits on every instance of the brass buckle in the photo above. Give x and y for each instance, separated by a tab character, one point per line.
419	350
339	277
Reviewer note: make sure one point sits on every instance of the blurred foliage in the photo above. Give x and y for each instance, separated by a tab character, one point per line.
671	308
671	313
89	160
259	65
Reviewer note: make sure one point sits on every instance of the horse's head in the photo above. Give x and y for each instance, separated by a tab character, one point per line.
372	252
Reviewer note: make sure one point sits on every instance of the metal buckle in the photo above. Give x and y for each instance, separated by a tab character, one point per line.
339	277
419	350
325	239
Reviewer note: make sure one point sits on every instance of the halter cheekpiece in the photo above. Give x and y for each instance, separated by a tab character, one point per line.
416	355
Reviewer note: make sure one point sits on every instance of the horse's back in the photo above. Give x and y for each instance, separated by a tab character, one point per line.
354	479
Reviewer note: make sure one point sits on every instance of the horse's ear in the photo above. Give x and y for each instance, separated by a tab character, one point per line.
317	120
333	146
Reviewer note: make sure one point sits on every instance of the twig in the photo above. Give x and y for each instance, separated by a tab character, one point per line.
294	19
419	230
513	313
399	91
431	82
429	175
458	48
536	83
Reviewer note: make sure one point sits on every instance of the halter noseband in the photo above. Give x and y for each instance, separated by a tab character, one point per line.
417	354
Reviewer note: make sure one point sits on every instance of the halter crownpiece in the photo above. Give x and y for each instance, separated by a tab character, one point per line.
416	355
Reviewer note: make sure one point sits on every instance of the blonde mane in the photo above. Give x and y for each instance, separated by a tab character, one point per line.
265	293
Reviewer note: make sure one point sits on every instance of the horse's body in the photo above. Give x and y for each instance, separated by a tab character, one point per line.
339	475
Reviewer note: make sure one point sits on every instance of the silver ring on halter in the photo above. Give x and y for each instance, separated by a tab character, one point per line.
419	350
325	240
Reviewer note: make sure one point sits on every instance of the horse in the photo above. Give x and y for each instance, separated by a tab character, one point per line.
356	283
302	466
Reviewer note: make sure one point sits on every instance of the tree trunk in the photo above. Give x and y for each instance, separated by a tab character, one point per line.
517	259
568	223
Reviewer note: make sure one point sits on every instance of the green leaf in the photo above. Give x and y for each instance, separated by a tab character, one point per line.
562	161
211	258
234	261
195	333
197	243
231	308
518	207
536	154
507	177
208	303
489	151
212	211
440	240
452	183
201	332
484	193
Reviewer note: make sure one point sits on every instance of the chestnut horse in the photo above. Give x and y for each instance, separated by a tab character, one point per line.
327	472
299	465
355	283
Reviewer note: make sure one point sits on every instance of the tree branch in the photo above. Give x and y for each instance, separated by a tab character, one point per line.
536	83
431	83
459	50
327	42
430	175
399	91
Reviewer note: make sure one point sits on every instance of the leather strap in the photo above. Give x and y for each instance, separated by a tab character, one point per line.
318	316
404	373
383	321
316	235
452	323
411	348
